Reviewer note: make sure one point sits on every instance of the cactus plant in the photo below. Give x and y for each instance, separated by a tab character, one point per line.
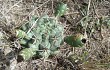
43	36
77	40
61	9
27	53
46	35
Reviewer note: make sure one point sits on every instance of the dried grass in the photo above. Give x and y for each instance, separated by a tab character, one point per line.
15	13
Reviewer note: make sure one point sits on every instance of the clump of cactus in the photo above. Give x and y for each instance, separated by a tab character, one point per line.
41	36
44	34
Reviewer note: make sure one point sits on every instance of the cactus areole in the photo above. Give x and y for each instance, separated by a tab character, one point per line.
77	40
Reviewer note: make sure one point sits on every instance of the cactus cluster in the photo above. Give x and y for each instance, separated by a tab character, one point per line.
44	34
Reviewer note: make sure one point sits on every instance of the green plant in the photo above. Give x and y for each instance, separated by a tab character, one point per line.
46	36
61	9
41	36
103	21
77	40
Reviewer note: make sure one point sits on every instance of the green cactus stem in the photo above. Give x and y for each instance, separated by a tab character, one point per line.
61	9
77	40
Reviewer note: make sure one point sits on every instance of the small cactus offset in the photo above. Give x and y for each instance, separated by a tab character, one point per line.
77	40
61	9
27	53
